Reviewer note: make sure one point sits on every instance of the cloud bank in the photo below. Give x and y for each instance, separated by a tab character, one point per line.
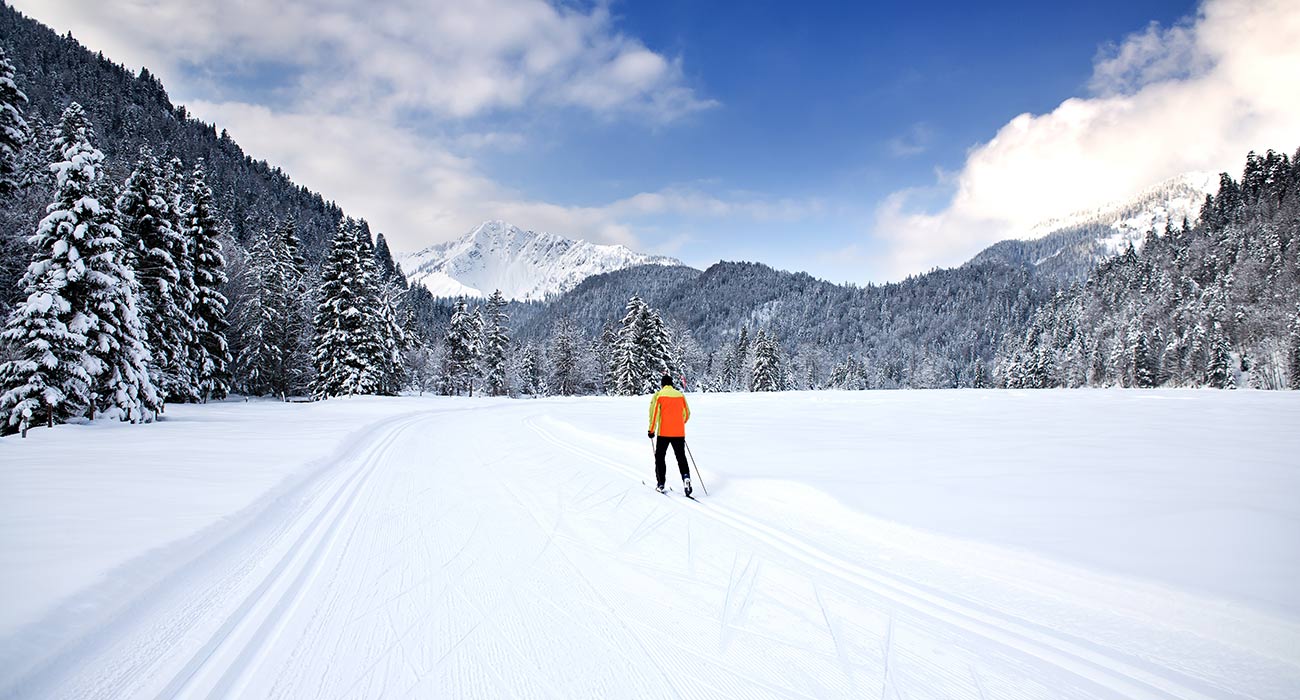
1164	101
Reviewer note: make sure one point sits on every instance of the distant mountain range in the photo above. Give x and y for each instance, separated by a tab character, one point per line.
524	265
531	266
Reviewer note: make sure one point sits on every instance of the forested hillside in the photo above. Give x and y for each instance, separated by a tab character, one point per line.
1214	304
130	111
940	329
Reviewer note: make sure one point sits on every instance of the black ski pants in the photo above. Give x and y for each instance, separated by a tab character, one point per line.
661	450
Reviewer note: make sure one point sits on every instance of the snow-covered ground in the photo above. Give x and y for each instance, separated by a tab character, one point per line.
963	544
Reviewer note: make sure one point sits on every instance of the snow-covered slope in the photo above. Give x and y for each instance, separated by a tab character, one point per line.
524	265
1068	247
1169	201
932	545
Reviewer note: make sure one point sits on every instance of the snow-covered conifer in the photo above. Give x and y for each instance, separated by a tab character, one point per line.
50	378
496	342
213	370
530	371
461	342
342	366
629	367
157	252
1218	373
767	375
643	351
1293	352
563	358
13	128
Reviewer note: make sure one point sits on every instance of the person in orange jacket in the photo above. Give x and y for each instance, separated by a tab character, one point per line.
668	416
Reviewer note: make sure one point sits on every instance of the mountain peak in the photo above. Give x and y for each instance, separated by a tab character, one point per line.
523	264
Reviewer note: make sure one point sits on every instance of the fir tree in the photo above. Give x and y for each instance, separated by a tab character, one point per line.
495	342
342	366
630	367
116	341
1145	370
530	371
767	375
155	248
1218	373
50	379
13	128
565	379
382	341
1293	352
643	351
176	185
461	342
213	371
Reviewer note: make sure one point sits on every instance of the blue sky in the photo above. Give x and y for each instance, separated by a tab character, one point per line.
858	142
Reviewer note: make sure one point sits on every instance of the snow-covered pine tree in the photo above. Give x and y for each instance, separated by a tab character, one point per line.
657	346
741	361
630	367
643	351
389	272
1293	352
1218	373
767	375
116	342
383	342
155	248
213	371
563	358
342	323
396	341
49	379
496	342
298	310
1144	369
259	358
176	184
13	128
461	342
530	371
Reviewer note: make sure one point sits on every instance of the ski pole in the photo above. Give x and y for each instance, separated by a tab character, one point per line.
696	467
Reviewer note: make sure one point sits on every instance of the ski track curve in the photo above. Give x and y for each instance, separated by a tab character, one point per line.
1124	677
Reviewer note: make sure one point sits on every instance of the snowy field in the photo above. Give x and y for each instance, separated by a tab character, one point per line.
940	544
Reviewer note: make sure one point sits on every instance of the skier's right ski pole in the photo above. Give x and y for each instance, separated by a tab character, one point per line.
696	467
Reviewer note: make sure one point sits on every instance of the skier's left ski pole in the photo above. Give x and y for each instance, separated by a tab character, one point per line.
696	467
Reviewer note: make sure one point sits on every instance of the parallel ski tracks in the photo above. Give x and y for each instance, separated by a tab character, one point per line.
1118	675
224	665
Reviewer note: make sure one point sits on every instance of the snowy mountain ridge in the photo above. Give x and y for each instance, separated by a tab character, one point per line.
525	265
1130	219
1066	248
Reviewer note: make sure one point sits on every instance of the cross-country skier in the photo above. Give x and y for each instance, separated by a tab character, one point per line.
668	416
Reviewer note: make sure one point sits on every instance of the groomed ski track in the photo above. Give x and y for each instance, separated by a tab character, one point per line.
496	550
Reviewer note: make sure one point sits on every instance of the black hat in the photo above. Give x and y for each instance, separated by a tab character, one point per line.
668	380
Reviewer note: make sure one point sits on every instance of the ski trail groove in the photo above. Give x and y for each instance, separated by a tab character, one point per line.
248	628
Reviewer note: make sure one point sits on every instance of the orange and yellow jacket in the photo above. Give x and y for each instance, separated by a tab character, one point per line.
669	413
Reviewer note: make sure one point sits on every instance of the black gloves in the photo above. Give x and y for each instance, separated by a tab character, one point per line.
650	434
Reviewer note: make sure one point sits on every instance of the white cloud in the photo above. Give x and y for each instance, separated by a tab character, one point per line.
342	80
417	192
456	59
1197	96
